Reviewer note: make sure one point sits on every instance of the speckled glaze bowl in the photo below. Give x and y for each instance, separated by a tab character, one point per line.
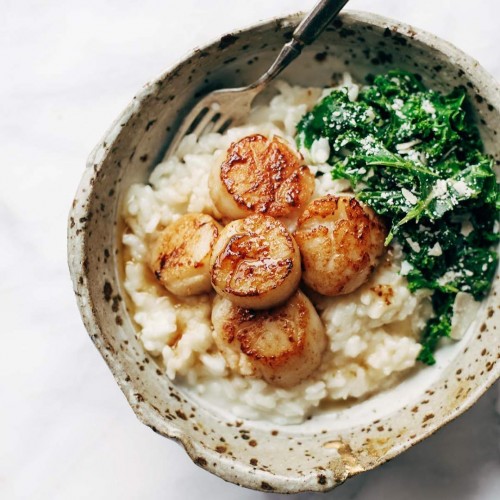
327	449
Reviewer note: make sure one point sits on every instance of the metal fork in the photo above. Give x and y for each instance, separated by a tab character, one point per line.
222	108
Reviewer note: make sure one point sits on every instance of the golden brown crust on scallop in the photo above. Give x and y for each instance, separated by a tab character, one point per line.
340	242
283	345
262	175
247	327
255	262
180	257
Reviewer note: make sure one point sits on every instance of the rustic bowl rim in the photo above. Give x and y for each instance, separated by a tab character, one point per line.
77	239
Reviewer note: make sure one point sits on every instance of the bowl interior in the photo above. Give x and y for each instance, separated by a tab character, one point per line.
336	444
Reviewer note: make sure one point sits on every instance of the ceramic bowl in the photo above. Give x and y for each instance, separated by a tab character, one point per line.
326	450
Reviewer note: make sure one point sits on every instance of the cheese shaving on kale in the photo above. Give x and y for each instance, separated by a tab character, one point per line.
416	157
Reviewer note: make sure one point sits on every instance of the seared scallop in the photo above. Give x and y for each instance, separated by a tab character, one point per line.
283	345
180	258
255	262
260	175
340	242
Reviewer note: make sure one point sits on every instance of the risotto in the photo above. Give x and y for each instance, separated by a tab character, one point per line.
372	332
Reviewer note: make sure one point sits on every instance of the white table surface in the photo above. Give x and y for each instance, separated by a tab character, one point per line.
66	432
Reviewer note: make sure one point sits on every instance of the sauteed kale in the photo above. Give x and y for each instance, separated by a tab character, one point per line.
415	156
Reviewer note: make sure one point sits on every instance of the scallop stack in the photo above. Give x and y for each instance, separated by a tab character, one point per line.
264	325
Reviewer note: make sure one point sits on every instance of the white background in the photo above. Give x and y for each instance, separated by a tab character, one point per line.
68	68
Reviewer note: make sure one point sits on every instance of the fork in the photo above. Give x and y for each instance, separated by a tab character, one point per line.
221	108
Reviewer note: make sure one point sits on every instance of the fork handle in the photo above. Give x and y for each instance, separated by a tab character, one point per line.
306	32
317	20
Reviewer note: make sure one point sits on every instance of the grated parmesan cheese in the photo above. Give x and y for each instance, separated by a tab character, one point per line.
448	277
462	189
428	107
466	228
406	267
436	250
464	311
404	146
409	196
397	104
440	188
414	245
